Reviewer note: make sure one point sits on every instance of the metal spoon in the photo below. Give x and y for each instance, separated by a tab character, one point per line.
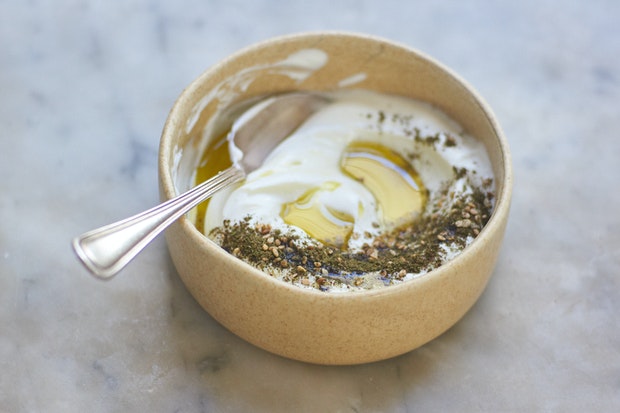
106	250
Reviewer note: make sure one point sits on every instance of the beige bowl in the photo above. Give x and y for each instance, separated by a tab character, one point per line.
305	324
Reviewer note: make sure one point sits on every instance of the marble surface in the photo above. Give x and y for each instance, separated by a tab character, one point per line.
85	89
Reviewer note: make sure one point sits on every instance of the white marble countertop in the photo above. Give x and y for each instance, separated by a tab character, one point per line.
85	88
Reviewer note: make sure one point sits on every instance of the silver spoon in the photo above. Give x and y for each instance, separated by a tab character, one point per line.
107	250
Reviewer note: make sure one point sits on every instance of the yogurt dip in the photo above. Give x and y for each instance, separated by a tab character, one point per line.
371	190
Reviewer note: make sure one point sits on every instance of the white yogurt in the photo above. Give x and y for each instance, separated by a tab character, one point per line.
311	156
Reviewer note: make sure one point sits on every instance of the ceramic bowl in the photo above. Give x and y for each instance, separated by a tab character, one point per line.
309	325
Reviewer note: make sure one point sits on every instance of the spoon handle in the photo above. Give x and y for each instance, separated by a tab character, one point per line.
106	250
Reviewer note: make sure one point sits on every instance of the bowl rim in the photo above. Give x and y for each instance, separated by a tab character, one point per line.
497	219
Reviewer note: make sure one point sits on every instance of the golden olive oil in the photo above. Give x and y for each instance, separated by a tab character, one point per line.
399	192
318	221
396	186
215	159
